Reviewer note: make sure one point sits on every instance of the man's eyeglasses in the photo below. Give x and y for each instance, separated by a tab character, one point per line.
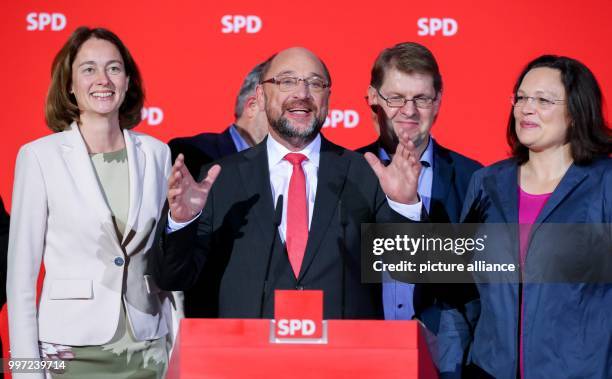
290	83
421	102
519	101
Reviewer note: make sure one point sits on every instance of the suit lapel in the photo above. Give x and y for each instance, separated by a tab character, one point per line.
333	167
255	177
226	144
572	178
136	167
77	159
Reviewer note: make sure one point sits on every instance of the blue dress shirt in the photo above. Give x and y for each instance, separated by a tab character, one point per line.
239	142
397	296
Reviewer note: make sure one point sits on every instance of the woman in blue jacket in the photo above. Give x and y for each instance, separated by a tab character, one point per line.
560	173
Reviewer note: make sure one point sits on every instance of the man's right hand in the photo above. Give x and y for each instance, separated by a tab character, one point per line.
187	197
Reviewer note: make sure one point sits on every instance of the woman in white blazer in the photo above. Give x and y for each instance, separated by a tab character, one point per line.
86	201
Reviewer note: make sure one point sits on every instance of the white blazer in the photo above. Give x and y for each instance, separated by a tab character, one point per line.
59	215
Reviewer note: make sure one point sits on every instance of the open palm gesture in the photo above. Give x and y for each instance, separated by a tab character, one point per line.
187	197
400	179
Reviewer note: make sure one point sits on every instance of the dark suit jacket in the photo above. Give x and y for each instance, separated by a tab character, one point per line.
231	241
567	327
451	176
452	173
202	149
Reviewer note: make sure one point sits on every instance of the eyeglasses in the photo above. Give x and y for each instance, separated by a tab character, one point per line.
398	102
540	102
290	83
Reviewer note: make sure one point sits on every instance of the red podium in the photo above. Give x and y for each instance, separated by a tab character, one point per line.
248	348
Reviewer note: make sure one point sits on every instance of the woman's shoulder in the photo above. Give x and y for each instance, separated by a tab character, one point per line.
44	144
598	169
602	167
603	163
496	168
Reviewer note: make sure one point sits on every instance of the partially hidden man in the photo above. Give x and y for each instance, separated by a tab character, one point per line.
250	127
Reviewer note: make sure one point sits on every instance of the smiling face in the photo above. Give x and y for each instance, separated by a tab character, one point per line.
295	116
99	80
538	128
414	122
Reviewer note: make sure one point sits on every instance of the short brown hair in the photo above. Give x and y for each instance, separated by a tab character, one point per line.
61	108
407	57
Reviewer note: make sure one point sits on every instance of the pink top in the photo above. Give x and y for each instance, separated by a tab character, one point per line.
530	207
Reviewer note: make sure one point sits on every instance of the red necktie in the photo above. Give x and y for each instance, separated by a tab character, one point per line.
297	213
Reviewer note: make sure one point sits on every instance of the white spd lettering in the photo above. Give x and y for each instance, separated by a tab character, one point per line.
342	118
152	115
432	26
294	327
238	23
39	21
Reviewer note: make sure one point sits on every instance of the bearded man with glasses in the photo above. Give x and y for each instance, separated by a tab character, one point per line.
227	227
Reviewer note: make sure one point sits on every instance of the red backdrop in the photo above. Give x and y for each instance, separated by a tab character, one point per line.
194	55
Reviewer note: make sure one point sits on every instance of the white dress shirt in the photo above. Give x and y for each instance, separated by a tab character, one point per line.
280	175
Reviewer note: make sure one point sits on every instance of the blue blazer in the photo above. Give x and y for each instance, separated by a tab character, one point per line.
566	327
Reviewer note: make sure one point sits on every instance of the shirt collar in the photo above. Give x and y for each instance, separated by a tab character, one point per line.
239	142
277	152
428	153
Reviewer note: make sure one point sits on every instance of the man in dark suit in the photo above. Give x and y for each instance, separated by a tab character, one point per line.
228	230
249	128
405	94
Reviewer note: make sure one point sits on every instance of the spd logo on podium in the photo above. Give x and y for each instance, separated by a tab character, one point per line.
298	317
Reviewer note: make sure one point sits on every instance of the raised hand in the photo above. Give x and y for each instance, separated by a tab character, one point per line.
400	179
187	197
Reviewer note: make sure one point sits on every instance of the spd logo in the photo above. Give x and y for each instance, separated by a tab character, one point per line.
296	328
153	116
45	21
298	317
347	119
432	26
240	23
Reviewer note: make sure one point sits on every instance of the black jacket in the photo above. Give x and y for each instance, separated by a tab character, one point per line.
231	240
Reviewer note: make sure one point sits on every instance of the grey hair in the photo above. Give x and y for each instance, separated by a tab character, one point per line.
248	87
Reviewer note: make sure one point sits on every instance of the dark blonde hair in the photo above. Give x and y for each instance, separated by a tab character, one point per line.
408	58
61	107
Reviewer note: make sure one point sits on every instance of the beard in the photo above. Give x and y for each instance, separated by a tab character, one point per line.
283	127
